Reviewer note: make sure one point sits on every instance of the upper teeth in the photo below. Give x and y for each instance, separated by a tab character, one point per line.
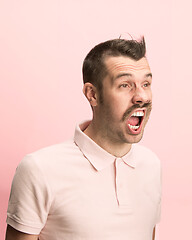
138	114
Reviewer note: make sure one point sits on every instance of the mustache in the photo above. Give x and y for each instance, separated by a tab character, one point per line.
145	105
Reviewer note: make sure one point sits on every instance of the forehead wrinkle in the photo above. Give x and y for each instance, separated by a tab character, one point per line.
114	78
127	67
130	73
119	66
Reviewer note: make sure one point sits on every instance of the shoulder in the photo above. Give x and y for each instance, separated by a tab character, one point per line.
60	148
145	156
49	157
149	167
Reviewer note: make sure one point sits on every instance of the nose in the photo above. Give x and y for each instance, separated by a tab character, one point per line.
141	96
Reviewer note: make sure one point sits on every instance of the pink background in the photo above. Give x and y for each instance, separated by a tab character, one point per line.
42	46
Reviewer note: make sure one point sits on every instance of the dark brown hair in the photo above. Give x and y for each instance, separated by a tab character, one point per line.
94	69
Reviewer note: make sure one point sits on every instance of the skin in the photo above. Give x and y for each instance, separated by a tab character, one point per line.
153	237
13	234
127	84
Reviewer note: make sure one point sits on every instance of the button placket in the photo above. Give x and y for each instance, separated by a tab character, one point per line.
117	162
121	186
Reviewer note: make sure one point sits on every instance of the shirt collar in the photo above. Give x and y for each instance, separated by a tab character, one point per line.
96	155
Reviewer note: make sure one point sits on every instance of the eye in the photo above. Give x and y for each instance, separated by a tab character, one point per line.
124	85
147	84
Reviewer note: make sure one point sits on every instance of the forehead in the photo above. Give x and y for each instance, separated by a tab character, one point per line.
121	64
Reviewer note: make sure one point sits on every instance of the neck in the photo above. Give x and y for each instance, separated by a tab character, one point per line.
117	149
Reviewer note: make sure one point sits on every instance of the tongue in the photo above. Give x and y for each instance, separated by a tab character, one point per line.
133	121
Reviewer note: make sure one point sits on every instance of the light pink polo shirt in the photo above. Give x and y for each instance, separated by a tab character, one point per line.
78	191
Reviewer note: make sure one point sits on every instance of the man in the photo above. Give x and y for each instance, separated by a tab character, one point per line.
100	185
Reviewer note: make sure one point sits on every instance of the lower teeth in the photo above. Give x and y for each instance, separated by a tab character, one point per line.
133	127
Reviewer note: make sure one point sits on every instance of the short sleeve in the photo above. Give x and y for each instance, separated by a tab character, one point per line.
158	212
160	194
30	198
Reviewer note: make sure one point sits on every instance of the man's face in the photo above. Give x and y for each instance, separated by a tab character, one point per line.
126	99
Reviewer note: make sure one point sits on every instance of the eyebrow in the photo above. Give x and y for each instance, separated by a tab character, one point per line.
148	75
130	75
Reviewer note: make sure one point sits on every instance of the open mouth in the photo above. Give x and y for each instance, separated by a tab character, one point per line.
135	121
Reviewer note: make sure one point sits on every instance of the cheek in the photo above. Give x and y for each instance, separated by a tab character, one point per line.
150	95
116	103
118	108
120	99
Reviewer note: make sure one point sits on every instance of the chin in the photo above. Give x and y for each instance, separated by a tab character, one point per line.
135	139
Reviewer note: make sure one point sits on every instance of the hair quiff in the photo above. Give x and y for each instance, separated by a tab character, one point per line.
94	69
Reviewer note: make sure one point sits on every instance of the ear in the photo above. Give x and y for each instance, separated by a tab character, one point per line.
90	93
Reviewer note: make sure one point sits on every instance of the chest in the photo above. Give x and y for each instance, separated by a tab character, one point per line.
113	201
